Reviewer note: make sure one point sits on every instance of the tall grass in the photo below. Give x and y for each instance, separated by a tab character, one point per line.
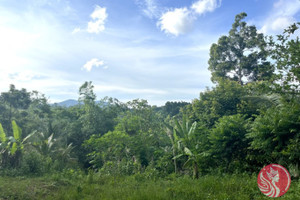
78	186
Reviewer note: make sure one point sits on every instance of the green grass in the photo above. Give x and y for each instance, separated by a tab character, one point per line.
95	187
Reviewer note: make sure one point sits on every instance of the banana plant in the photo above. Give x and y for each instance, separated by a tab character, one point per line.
191	161
51	147
63	154
180	135
11	148
176	143
43	143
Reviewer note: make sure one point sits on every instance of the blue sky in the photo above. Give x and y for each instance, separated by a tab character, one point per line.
148	49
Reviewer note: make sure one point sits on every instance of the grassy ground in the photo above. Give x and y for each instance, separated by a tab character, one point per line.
136	187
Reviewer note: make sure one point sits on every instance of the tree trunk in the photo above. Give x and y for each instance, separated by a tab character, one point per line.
195	171
175	163
240	75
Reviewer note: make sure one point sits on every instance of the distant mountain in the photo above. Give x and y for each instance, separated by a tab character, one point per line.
71	102
67	103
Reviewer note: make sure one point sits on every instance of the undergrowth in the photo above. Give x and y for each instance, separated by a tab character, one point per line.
76	185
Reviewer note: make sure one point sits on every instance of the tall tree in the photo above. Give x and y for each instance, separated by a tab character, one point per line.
11	103
86	93
241	56
90	117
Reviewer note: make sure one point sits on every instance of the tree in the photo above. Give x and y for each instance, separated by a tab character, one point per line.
12	103
173	108
214	103
228	141
286	54
16	98
275	134
90	118
241	56
86	93
112	146
144	126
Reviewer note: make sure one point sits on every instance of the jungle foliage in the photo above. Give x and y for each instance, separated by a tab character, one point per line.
249	119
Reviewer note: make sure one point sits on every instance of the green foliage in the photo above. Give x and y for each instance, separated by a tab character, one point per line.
112	146
185	143
222	100
74	185
34	163
12	147
229	143
173	108
17	137
86	93
241	56
248	119
275	134
285	52
2	135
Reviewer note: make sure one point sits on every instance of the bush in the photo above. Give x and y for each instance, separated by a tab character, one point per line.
33	164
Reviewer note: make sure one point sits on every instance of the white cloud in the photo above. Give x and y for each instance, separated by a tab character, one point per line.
150	8
148	69
98	16
203	6
281	16
276	24
287	7
176	22
180	20
92	63
281	23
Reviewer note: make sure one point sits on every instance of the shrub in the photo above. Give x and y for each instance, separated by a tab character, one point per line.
33	163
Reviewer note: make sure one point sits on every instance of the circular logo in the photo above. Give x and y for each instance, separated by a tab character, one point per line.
274	180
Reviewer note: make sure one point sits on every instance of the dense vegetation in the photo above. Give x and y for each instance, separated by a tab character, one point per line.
212	148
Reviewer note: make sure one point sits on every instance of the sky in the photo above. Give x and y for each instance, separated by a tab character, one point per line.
148	49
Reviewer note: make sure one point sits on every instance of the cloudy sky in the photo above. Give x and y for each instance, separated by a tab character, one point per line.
148	49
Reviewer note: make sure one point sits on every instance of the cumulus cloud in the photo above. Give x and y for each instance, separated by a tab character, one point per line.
92	63
180	20
203	6
176	22
99	15
281	16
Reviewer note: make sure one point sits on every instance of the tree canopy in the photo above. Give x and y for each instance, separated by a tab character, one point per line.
241	56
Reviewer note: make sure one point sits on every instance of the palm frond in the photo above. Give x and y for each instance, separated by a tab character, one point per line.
269	100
